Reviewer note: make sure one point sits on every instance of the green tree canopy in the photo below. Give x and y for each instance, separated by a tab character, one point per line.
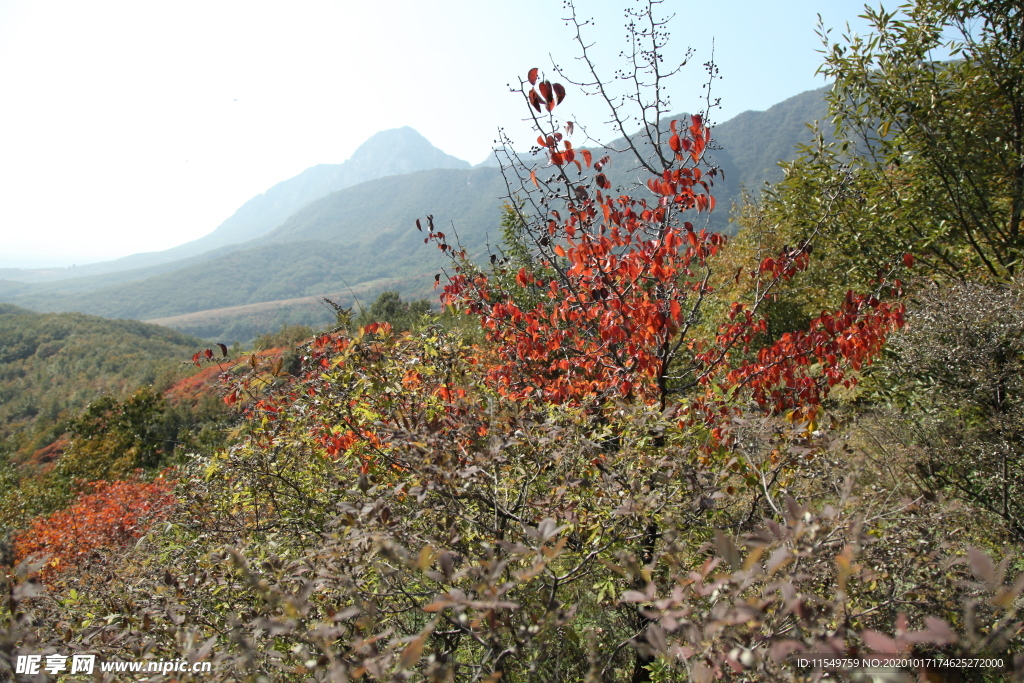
389	308
929	150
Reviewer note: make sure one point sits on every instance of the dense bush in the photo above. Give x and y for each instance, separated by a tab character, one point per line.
955	382
390	516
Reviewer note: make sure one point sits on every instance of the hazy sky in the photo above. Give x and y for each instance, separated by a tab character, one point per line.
137	125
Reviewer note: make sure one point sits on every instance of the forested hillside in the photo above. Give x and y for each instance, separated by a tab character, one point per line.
632	449
52	365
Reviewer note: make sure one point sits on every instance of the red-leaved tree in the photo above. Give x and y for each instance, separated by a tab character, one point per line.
602	293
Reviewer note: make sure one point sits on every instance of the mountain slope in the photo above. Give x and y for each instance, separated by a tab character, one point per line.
391	152
757	140
748	148
53	364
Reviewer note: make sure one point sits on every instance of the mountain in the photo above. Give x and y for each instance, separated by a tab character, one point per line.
361	237
757	140
391	152
360	240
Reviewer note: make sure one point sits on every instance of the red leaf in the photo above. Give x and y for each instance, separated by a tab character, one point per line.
587	156
532	76
535	99
223	350
908	260
559	93
674	143
208	353
545	90
533	177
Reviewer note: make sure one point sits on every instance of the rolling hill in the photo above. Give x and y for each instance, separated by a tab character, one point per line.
53	364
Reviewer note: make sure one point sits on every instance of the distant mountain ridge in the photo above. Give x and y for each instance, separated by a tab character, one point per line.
391	152
361	239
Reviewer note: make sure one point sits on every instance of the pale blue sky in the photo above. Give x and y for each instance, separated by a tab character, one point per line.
130	126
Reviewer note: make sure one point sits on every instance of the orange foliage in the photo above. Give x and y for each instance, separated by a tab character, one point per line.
208	380
113	514
195	386
622	285
49	454
608	302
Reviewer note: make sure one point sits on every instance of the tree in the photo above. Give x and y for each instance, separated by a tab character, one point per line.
932	147
389	308
929	156
610	287
597	297
112	438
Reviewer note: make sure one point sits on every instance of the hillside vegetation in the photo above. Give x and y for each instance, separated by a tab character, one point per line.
52	365
632	449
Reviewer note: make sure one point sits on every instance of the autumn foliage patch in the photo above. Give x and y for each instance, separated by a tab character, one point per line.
112	514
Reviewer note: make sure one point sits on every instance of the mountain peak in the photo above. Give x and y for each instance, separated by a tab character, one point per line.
406	135
400	150
390	152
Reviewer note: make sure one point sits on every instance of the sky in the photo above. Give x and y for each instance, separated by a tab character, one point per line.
133	126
